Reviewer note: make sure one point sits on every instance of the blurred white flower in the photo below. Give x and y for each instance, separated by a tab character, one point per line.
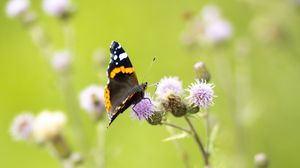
261	160
21	128
61	60
169	83
56	7
210	13
217	31
48	125
208	28
92	100
16	7
99	56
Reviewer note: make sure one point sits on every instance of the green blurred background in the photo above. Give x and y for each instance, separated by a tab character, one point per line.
153	28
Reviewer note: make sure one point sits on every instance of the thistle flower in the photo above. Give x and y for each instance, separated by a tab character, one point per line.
61	61
16	8
21	128
169	84
201	94
261	160
217	31
56	7
173	103
92	100
144	109
48	125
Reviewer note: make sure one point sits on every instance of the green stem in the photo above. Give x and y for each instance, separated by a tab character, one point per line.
198	141
100	156
183	154
73	111
177	127
207	130
69	92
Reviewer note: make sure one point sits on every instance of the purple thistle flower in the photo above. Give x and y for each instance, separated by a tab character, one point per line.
169	84
201	94
143	109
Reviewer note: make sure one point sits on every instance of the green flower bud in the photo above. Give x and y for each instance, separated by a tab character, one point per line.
201	72
155	118
174	104
193	109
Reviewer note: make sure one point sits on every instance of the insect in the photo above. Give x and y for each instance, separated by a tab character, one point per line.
122	89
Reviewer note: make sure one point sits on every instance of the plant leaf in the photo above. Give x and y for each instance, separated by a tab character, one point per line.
175	137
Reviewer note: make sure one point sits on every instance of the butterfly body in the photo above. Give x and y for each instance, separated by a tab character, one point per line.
122	89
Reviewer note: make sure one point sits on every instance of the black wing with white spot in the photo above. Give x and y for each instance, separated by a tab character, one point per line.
122	81
118	57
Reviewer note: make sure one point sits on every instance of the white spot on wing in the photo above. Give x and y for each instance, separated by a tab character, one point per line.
115	57
119	46
117	63
123	56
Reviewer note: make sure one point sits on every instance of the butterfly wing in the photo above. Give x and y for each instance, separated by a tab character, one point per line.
121	81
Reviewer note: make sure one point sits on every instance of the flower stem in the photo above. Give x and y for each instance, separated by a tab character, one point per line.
198	141
177	127
100	156
183	154
207	130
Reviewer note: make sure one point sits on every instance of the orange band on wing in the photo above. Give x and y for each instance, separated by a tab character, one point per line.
107	99
122	69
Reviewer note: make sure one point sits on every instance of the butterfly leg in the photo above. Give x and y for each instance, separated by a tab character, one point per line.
135	111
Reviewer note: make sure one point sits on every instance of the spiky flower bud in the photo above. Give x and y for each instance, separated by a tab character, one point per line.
192	109
201	71
61	147
155	118
174	104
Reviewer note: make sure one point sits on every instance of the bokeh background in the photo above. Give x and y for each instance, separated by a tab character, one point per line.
257	104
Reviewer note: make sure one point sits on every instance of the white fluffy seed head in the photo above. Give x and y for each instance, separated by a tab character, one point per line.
48	125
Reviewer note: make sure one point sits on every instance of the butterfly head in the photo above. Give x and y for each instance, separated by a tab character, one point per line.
144	86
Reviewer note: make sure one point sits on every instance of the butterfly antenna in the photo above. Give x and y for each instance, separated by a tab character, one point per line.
149	68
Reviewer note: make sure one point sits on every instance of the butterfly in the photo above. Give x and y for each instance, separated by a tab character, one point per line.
122	89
